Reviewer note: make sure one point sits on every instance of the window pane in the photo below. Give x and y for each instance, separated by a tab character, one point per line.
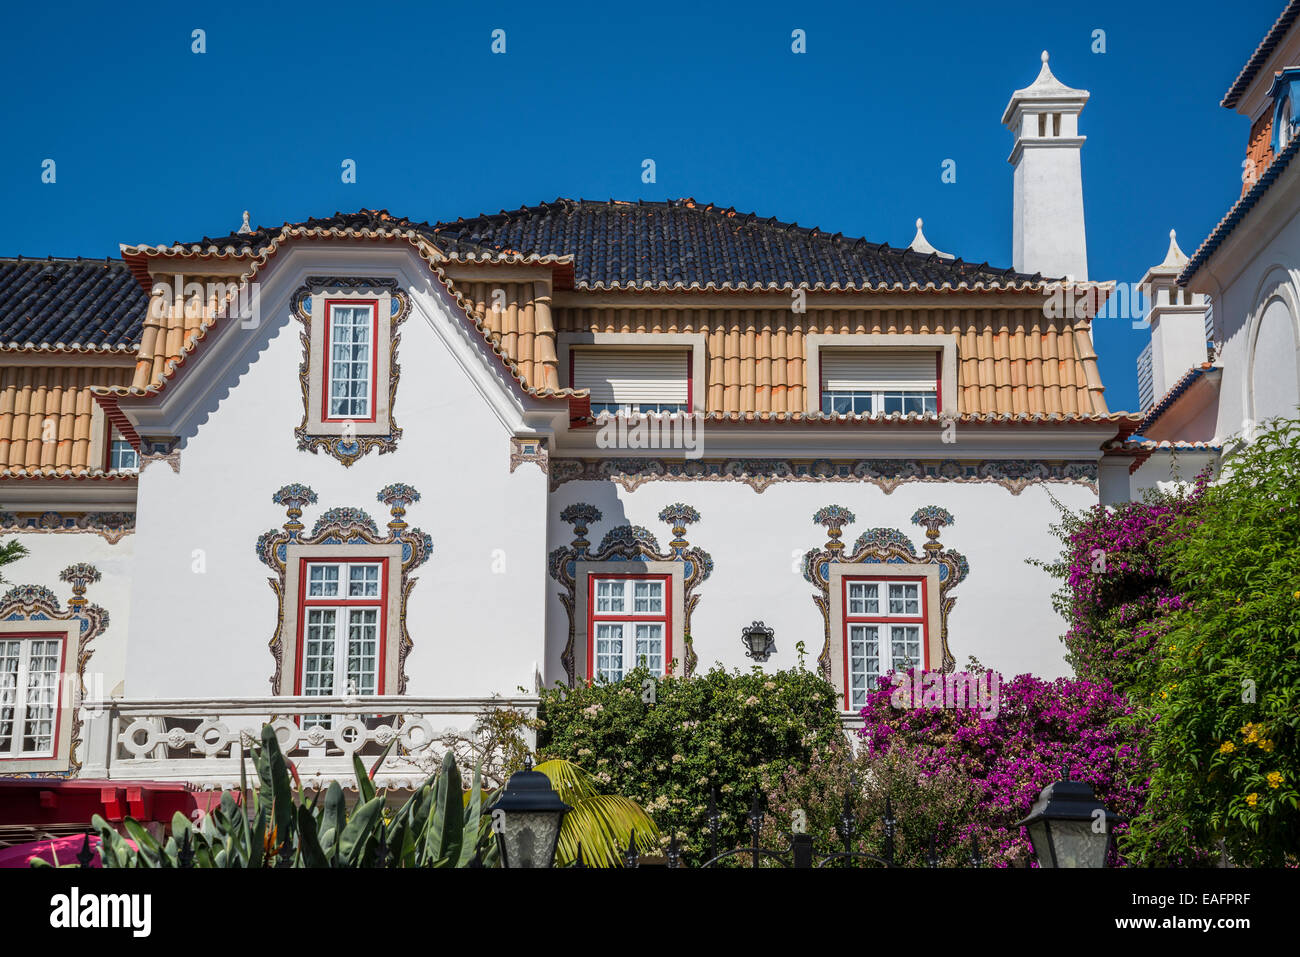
904	599
363	581
650	647
318	655
322	581
122	457
905	646
351	358
648	597
9	652
42	697
609	596
864	662
609	651
864	598
363	650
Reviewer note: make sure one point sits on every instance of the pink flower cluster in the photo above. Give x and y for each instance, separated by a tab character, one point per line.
1043	732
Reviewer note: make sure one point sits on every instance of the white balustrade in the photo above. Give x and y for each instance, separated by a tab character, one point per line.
202	741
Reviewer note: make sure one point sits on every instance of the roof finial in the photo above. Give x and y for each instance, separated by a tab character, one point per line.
245	228
1044	56
922	245
1175	258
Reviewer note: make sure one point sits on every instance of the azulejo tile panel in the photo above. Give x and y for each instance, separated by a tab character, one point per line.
628	543
112	526
630	473
342	526
884	545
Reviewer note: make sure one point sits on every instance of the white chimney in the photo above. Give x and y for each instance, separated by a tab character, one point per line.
1047	227
1177	319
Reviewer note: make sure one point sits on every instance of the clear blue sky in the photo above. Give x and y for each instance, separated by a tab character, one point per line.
154	143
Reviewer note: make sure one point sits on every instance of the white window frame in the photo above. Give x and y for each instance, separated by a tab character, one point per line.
693	343
114	442
370	308
943	344
21	707
876	401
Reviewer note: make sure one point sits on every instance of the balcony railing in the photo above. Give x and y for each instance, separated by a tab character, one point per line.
200	740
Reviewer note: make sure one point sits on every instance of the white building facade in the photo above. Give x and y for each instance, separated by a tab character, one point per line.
368	477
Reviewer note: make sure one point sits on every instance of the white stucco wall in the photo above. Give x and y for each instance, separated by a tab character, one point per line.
1003	615
1048	233
473	611
50	553
1259	308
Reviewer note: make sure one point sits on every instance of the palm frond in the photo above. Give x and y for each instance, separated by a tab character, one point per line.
604	824
570	781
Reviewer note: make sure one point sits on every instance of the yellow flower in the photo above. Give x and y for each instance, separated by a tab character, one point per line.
1251	732
1296	595
1164	694
1274	779
1266	745
1252	798
1227	747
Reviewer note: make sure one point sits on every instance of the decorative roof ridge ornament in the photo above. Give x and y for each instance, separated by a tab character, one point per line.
245	227
922	245
1175	259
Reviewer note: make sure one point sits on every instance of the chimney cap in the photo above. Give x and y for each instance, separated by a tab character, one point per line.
1045	91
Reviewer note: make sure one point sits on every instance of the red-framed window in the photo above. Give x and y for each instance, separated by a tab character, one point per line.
350	376
342	627
629	623
31	677
885	629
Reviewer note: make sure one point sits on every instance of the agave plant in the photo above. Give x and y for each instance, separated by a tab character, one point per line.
603	825
440	825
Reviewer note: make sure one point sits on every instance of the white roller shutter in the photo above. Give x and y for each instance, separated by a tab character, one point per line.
883	370
631	375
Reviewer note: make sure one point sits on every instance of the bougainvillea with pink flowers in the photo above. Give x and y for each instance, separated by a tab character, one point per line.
1043	731
1116	591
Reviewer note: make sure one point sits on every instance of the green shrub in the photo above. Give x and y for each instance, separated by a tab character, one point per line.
667	742
1226	697
935	810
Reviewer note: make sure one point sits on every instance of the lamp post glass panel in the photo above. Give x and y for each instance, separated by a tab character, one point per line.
528	823
1069	827
758	640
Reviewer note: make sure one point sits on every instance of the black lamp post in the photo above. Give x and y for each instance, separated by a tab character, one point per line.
529	826
758	640
1069	827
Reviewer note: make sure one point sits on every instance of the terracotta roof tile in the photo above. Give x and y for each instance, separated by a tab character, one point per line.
46	417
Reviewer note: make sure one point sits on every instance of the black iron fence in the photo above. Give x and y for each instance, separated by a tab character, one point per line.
799	850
